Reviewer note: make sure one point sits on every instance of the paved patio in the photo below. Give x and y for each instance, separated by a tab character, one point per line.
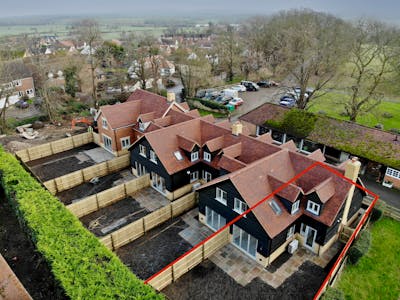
241	267
150	199
99	154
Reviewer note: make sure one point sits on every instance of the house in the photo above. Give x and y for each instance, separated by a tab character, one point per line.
232	171
16	82
122	124
165	67
310	211
337	140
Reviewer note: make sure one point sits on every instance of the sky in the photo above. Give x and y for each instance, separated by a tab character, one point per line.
386	10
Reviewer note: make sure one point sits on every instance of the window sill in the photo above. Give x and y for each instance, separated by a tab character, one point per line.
143	155
221	201
153	161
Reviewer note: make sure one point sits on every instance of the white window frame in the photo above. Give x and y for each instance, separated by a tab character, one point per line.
125	142
30	91
142	150
241	234
21	93
393	173
206	176
290	232
303	229
142	126
239	206
207	156
295	207
194	156
194	176
213	216
221	196
313	207
153	157
104	123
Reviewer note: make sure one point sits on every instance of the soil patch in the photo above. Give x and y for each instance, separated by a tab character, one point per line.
156	249
127	210
86	189
207	281
22	257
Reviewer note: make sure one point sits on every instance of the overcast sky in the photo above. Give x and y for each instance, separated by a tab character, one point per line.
380	9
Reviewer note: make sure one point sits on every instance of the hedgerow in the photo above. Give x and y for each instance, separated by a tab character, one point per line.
84	268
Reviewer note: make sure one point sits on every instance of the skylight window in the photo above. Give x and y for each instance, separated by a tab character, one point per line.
178	155
275	207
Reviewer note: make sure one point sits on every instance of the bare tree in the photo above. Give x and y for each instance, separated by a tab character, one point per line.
229	49
306	46
373	48
88	31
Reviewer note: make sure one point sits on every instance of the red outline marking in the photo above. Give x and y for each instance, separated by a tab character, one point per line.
271	195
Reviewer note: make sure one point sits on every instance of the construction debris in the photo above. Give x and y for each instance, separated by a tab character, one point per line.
26	131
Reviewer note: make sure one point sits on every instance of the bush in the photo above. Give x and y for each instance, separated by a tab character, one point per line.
377	211
333	294
387	115
211	104
360	247
81	264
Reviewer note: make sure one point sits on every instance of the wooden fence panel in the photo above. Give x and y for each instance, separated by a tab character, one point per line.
127	234
84	207
118	163
157	217
96	138
82	139
23	155
216	242
69	181
51	186
162	280
107	241
111	195
98	170
187	263
62	145
136	184
40	151
183	204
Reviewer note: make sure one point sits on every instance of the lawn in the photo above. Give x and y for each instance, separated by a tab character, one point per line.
329	104
377	275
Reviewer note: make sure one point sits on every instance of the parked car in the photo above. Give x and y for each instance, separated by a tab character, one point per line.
239	88
250	85
236	102
223	99
22	104
264	83
287	101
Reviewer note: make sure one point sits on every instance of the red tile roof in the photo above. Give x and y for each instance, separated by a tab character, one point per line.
121	115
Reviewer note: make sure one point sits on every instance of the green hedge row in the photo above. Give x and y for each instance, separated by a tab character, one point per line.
360	247
84	268
211	104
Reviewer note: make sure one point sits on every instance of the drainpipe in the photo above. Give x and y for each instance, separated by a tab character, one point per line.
351	172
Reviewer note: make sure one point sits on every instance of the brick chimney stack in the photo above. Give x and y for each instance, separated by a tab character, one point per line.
237	128
351	172
170	97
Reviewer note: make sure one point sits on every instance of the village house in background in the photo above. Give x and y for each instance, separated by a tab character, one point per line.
16	79
379	150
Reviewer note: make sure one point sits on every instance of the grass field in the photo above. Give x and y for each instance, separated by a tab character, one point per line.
329	103
377	275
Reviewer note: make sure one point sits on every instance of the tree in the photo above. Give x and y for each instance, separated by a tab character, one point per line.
306	46
229	48
193	70
71	80
88	31
373	48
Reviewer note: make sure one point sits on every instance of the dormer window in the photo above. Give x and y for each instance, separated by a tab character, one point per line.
142	126
295	207
104	123
207	156
194	156
313	207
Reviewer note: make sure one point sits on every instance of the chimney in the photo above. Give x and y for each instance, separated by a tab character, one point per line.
351	172
237	128
170	97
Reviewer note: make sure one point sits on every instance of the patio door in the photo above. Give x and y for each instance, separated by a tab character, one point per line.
141	170
157	182
245	241
310	236
107	142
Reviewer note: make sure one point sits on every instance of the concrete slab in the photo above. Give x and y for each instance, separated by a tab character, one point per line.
99	154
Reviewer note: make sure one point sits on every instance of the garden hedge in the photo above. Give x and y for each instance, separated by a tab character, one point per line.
360	247
84	268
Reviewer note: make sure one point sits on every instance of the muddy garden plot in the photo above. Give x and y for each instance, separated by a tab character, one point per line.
62	163
113	217
86	189
156	249
208	281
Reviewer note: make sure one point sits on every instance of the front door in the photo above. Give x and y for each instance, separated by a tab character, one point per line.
158	182
310	236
